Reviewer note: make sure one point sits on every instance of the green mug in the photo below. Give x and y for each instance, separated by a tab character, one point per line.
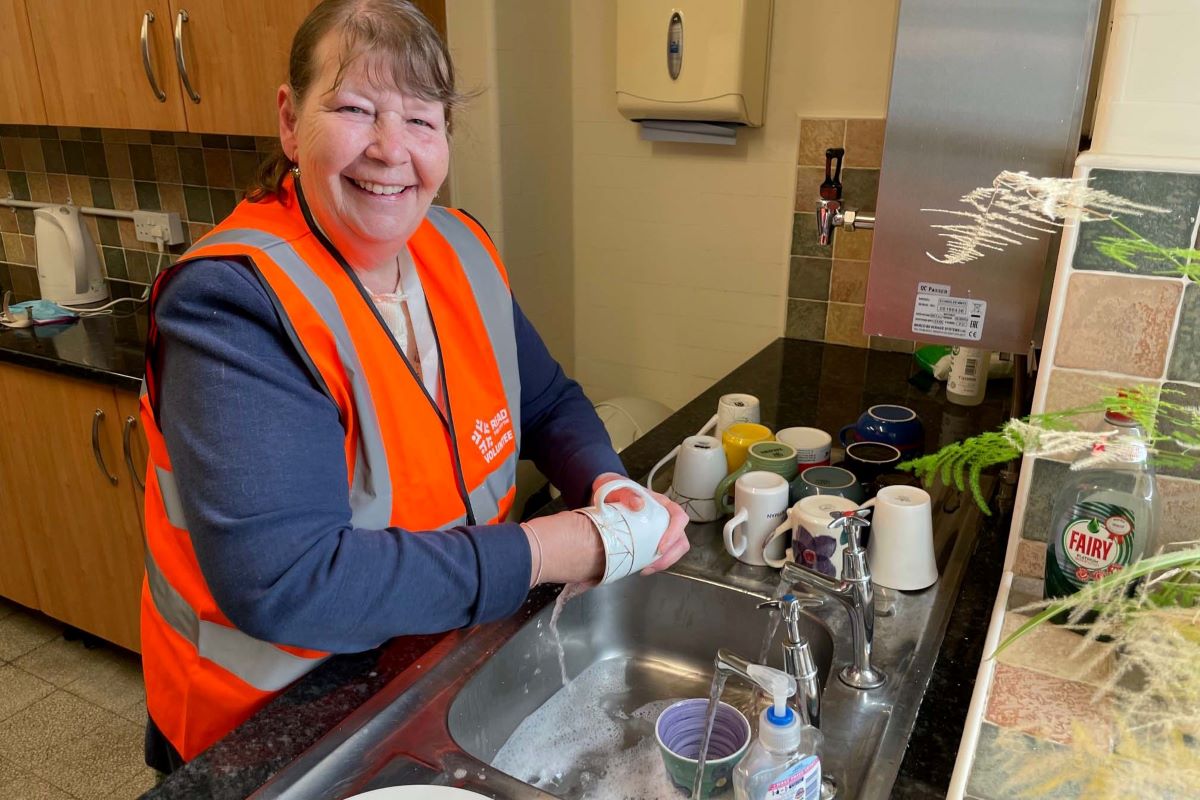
774	457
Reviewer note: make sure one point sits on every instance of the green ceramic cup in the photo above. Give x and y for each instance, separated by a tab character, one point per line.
774	457
679	730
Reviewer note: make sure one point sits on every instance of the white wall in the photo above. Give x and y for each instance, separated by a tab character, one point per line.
511	162
1149	100
681	251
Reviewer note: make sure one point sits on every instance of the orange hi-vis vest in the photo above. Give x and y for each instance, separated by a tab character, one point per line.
409	464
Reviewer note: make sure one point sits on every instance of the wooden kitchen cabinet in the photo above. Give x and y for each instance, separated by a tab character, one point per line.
90	64
82	532
20	94
236	55
16	576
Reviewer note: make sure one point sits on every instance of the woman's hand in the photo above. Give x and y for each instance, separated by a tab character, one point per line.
674	543
622	494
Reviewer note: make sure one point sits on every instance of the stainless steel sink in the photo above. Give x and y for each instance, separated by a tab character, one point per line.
660	634
443	720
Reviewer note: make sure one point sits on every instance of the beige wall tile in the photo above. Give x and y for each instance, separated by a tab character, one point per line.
1069	389
1054	651
1042	705
892	345
808	187
845	325
59	190
1031	559
1180	510
848	281
124	197
1118	323
171	196
864	142
81	190
39	187
853	245
166	163
816	135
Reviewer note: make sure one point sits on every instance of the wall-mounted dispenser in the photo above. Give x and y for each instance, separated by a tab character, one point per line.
693	70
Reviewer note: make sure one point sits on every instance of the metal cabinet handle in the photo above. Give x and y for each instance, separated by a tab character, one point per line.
130	424
147	18
97	418
181	18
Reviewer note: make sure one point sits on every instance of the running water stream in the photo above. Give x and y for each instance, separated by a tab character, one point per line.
568	591
714	695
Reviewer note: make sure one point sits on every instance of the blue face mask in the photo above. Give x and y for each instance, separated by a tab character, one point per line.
35	312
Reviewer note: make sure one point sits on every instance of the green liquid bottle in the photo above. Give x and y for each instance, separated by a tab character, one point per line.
1106	516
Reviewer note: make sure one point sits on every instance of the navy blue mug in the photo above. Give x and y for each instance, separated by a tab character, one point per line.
887	424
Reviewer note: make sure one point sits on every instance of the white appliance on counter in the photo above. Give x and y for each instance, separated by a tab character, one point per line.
68	267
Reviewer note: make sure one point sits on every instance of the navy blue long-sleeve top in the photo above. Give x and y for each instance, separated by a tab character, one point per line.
258	452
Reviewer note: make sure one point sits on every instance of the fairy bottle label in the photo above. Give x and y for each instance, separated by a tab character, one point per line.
1096	541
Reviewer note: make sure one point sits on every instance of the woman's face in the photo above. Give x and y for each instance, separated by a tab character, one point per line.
372	156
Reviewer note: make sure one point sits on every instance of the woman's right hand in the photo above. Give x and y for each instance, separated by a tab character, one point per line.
566	548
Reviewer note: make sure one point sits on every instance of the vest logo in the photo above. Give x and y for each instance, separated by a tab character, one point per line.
490	436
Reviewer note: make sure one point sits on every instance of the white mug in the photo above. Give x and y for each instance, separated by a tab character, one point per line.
630	537
900	550
736	407
760	501
813	445
819	548
699	467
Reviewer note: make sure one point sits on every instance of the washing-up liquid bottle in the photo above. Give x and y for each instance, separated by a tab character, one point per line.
1105	517
783	763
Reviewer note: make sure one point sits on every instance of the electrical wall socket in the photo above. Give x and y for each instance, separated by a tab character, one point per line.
158	226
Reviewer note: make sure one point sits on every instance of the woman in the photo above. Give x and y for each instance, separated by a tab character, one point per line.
339	383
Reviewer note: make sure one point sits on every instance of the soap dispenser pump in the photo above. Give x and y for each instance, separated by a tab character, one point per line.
783	763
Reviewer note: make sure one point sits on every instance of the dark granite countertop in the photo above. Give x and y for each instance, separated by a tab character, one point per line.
107	350
798	383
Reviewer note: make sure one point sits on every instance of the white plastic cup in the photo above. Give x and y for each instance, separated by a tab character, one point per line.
900	551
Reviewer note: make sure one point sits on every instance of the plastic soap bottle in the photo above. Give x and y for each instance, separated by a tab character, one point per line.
783	763
967	383
1105	517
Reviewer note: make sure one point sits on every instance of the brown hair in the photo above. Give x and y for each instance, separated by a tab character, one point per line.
390	30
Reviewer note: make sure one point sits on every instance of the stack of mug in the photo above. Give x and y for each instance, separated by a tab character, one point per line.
780	487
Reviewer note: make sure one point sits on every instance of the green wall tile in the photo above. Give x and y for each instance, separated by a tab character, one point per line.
1185	355
806	320
809	278
1188	396
1178	192
1047	477
860	188
804	237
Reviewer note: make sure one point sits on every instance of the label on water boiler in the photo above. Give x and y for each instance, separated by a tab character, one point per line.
937	313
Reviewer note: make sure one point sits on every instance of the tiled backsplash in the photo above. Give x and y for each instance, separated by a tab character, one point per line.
1118	327
827	284
199	176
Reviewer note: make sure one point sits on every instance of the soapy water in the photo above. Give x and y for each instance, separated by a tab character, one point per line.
582	745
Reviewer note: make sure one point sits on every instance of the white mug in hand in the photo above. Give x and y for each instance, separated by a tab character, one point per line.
630	538
760	503
900	551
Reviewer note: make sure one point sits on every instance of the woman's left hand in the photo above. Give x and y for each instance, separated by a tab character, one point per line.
674	542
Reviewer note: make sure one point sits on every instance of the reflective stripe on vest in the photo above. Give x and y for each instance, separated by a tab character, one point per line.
260	664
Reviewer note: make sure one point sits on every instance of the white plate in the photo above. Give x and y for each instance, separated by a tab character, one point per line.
416	793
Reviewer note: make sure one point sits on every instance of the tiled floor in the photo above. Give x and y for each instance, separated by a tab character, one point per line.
71	719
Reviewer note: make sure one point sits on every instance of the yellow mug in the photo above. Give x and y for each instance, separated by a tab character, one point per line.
737	439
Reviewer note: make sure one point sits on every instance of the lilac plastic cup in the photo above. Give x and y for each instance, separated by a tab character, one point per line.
680	729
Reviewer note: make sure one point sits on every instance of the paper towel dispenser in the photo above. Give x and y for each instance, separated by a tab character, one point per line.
693	60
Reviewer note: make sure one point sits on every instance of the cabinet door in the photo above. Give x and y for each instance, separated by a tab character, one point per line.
89	58
82	531
16	577
20	94
236	57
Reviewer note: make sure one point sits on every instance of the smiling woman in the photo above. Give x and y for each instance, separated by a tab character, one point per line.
339	383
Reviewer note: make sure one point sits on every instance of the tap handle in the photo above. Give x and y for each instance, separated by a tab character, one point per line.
852	522
831	189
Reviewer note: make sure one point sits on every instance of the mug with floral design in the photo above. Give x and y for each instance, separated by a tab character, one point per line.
814	545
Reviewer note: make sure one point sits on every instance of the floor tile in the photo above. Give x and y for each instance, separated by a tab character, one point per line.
8	774
135	713
143	782
29	787
19	690
95	765
113	682
58	661
32	735
22	632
